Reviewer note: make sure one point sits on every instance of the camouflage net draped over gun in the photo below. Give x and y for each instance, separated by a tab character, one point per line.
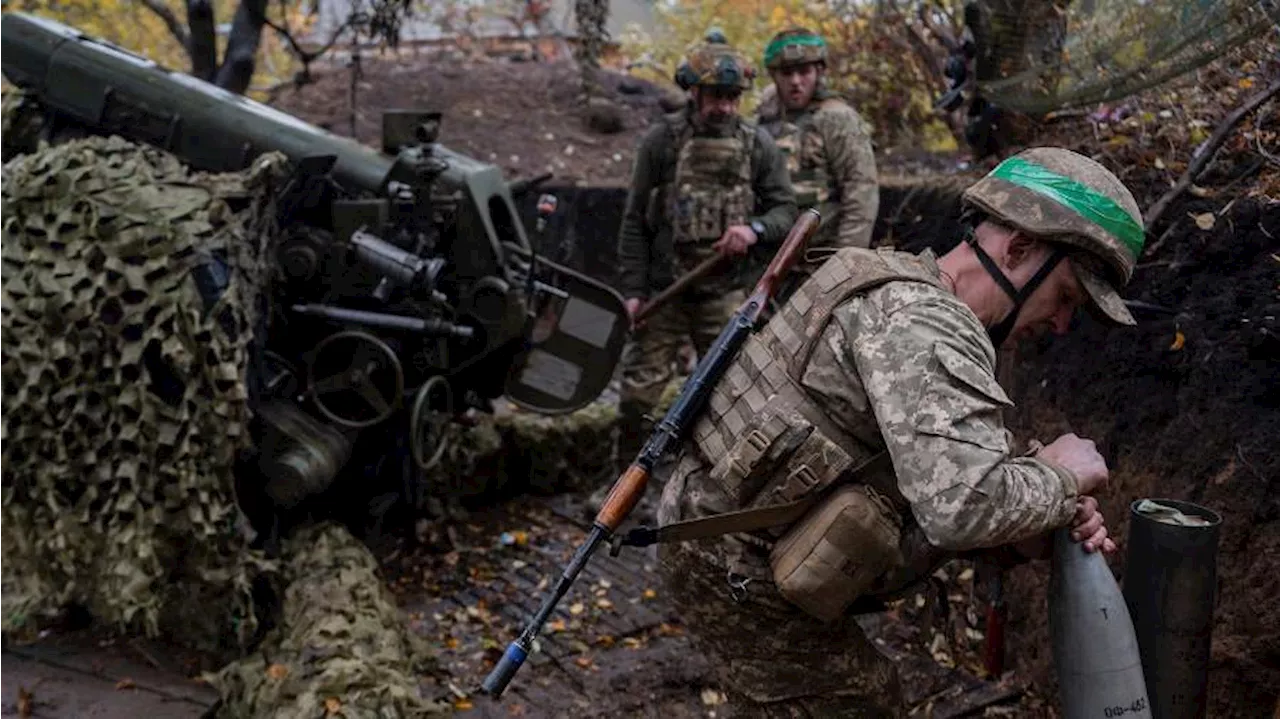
1106	49
341	648
125	403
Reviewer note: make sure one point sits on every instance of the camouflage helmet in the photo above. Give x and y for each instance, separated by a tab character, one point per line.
714	63
796	46
1062	196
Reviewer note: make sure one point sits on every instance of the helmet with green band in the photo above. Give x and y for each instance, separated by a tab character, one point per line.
714	63
1064	197
797	46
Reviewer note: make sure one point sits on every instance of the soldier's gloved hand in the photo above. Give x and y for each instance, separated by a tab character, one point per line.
1080	457
1089	527
633	305
736	241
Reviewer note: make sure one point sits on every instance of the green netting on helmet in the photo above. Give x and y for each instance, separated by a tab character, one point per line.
1084	201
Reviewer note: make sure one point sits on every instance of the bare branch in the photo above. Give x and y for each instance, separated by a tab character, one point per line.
1209	149
170	20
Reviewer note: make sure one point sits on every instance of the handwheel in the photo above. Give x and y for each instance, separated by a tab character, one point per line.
432	412
362	379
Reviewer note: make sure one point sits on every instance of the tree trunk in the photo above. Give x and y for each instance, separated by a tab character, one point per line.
591	16
242	46
202	45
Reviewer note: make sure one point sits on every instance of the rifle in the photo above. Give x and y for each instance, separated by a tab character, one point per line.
680	285
628	489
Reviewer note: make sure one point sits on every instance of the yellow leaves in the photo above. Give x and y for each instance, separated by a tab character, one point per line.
1245	83
577	608
277	671
1179	340
604	603
125	683
556	625
463	704
649	594
584	662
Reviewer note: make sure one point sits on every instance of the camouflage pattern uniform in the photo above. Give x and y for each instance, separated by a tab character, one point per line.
872	358
828	148
689	184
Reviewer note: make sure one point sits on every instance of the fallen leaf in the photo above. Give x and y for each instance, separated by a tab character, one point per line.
126	683
451	642
556	625
711	697
1198	191
1159	164
332	705
604	603
605	640
966	574
277	671
25	700
584	662
1245	83
1179	340
632	642
650	594
463	704
1204	220
577	608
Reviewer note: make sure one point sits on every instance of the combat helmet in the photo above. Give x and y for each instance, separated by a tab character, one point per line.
795	46
714	63
1064	197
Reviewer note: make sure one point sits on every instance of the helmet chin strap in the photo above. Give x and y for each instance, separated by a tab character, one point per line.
1000	332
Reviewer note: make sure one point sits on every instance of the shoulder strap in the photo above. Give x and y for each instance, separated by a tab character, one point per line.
891	267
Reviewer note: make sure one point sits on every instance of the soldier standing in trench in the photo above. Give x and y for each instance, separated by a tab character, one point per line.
826	142
869	406
705	180
827	145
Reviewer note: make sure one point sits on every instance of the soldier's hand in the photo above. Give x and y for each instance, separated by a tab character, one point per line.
633	306
1079	456
736	241
1089	527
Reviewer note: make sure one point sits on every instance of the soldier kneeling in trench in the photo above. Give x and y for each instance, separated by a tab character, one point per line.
869	405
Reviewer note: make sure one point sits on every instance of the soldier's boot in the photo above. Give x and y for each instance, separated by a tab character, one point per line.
630	434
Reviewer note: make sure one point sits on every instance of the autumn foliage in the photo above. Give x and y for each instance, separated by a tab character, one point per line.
882	59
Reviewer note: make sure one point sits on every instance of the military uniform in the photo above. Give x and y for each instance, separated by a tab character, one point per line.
831	163
864	422
689	185
872	358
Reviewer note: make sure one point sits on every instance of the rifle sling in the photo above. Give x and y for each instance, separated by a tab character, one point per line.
745	520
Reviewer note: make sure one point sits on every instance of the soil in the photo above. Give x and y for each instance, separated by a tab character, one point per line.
524	117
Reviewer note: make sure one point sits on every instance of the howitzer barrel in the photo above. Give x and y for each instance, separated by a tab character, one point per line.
112	90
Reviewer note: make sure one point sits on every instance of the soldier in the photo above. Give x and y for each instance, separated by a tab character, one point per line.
705	180
826	142
864	422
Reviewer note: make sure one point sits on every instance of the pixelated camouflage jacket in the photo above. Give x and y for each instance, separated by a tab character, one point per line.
645	247
908	369
832	164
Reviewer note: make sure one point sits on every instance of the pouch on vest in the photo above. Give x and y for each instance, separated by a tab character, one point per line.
746	465
832	556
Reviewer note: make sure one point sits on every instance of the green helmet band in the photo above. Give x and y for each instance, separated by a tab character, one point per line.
781	48
1079	198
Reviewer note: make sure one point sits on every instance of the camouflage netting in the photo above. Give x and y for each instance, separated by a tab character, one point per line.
1105	50
341	648
125	403
527	451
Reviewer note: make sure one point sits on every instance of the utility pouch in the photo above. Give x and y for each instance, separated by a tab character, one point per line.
834	554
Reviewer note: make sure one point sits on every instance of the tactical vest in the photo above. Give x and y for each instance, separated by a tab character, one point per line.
768	441
806	155
710	191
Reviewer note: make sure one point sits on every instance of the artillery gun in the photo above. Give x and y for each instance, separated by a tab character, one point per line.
404	292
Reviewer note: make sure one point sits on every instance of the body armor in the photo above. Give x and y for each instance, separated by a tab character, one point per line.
806	155
709	193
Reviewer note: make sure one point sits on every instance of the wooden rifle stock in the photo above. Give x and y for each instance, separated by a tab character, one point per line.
629	488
